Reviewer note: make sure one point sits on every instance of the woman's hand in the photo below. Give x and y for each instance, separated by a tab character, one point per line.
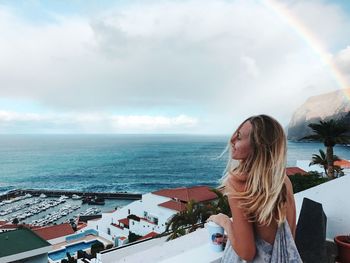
220	219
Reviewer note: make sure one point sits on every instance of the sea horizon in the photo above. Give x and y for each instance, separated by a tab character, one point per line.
134	163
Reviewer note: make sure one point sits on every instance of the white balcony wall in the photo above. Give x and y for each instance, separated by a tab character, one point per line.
115	231
91	224
105	236
121	213
142	228
57	240
304	164
333	196
195	248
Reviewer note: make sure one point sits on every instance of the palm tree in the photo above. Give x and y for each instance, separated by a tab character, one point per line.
330	132
222	206
178	232
321	160
191	216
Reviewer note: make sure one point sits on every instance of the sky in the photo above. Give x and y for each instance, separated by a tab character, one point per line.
165	67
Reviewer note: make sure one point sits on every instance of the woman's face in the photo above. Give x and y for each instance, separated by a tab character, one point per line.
240	142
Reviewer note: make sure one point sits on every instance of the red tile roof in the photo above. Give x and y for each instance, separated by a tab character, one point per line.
196	193
81	225
295	170
342	163
13	226
9	226
124	221
51	232
149	235
173	205
118	226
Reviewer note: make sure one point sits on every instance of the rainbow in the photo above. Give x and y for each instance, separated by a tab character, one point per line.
312	41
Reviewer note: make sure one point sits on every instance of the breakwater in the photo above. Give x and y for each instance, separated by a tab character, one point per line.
58	193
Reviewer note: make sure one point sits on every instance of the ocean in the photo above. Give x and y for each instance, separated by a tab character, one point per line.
119	163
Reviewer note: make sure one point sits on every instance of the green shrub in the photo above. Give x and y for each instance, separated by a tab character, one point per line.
303	182
97	247
109	246
133	237
80	254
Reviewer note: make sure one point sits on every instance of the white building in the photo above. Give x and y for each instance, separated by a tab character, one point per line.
194	247
304	164
148	216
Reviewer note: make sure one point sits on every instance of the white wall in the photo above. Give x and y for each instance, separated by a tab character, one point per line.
143	228
38	259
334	197
192	248
91	224
115	231
105	236
55	241
149	203
123	253
304	164
134	207
32	256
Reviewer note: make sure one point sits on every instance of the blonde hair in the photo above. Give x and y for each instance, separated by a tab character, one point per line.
264	197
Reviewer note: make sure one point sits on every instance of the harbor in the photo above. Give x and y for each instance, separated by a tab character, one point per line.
58	193
44	207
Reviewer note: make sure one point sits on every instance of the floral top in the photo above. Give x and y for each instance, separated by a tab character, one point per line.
283	249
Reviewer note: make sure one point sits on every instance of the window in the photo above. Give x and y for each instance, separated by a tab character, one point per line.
108	231
96	227
155	220
128	211
145	214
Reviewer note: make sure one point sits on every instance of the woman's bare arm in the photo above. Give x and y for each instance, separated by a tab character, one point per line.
239	230
291	211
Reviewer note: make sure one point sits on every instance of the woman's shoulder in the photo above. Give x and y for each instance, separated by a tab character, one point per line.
288	184
237	181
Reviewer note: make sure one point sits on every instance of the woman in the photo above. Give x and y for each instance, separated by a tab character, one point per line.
260	195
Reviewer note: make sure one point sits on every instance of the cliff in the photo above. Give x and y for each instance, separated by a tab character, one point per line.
333	105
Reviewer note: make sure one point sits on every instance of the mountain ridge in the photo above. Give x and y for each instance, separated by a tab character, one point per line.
331	105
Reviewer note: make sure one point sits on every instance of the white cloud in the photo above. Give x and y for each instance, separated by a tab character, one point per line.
153	122
94	122
6	116
223	60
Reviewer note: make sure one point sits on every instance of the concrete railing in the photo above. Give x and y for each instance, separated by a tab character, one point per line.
194	247
333	196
